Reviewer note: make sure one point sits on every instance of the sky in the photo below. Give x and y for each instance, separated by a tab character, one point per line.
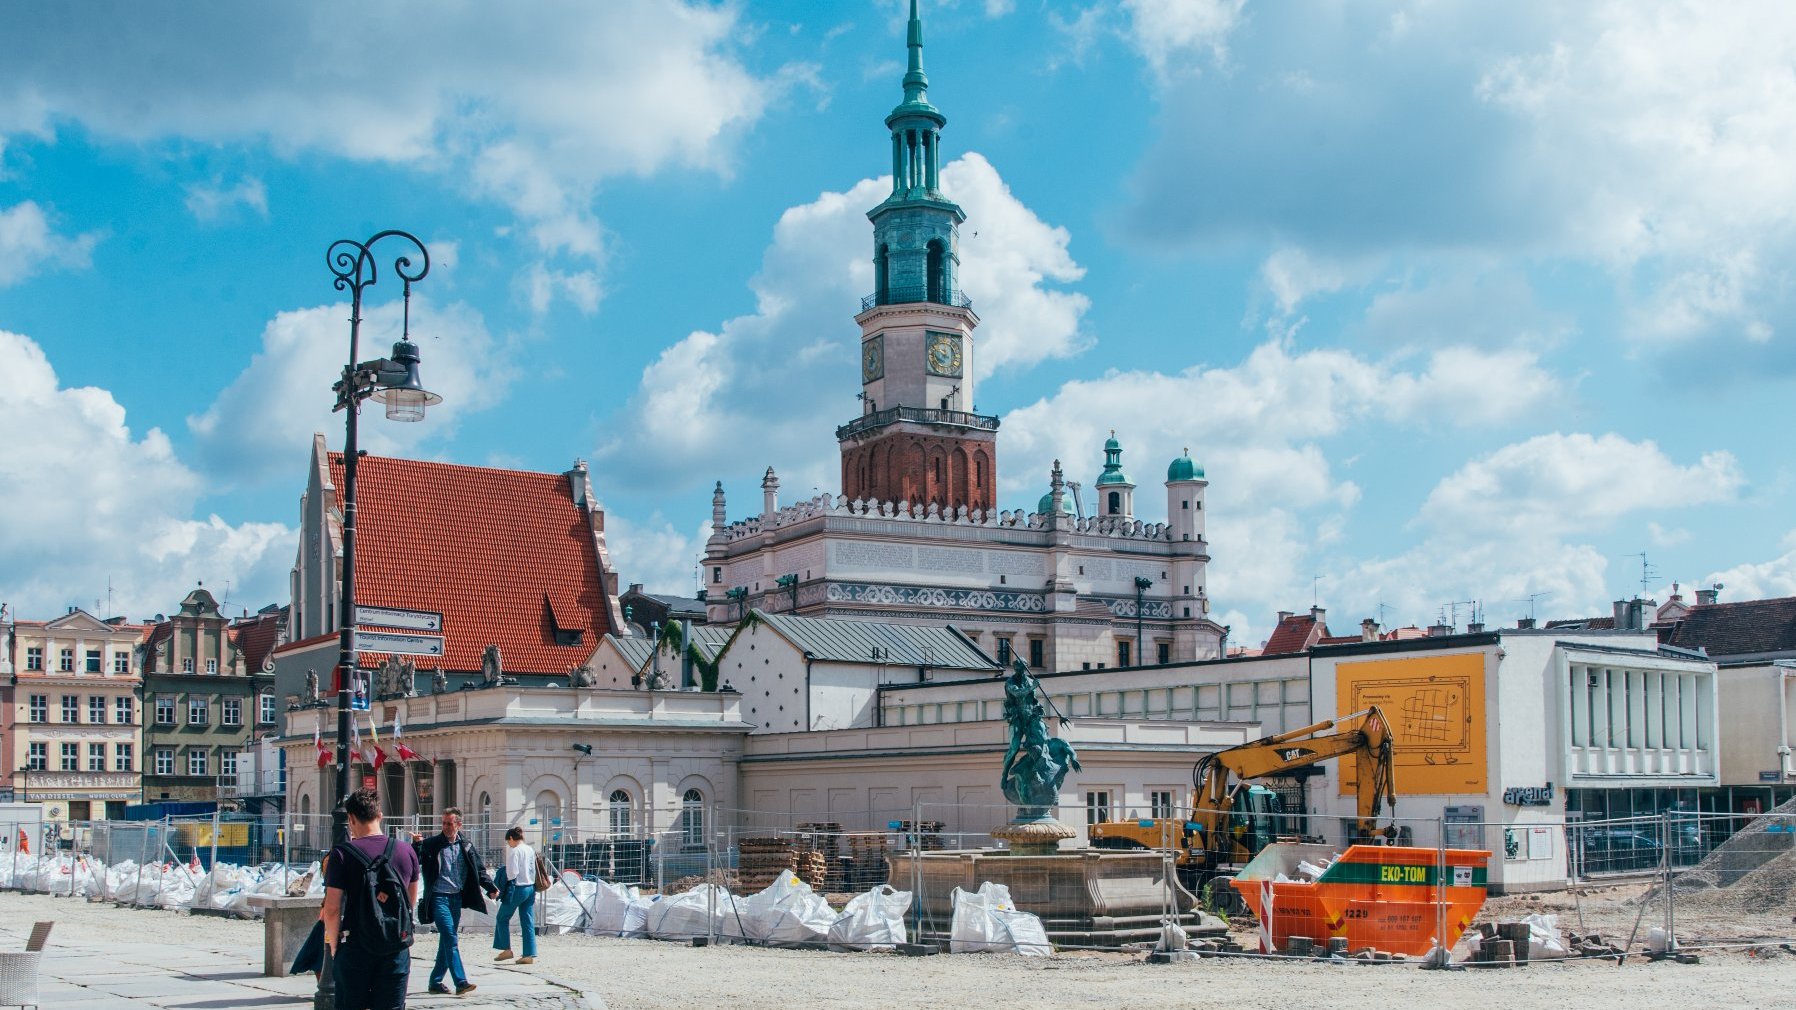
1453	302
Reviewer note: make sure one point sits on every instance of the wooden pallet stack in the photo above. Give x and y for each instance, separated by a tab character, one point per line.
864	866
760	861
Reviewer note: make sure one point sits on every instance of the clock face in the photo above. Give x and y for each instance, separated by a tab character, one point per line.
873	359
943	354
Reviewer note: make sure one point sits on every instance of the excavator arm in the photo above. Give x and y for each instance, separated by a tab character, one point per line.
1364	735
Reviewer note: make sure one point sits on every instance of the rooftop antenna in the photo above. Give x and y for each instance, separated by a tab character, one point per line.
108	596
1647	574
1382	607
1316	590
1531	599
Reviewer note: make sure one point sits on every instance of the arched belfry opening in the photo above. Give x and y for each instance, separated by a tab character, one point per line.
882	278
937	272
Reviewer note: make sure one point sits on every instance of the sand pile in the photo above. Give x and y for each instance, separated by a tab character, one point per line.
1754	871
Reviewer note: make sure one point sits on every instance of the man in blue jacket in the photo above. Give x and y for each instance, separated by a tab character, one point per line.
454	877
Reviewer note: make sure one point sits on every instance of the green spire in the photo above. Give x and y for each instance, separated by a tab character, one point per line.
916	83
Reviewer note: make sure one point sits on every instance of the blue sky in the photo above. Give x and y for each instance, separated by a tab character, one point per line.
1454	302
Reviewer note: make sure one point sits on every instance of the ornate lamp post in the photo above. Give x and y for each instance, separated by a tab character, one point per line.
394	382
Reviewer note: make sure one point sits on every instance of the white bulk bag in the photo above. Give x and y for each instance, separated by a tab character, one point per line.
787	913
565	902
871	921
701	911
610	903
985	920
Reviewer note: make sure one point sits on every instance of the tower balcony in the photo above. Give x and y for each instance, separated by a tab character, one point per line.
923	415
909	295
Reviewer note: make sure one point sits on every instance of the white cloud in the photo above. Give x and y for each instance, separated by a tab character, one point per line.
1560	485
742	378
531	105
88	503
654	552
1172	35
28	244
1760	580
260	425
210	203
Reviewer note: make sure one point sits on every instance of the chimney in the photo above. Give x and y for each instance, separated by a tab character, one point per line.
1368	630
1621	615
1524	624
1317	614
1283	616
1474	628
635	587
1438	630
1708	597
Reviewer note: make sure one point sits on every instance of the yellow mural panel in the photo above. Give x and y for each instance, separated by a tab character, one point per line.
1435	705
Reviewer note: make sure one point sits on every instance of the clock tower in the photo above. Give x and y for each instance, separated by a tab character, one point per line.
918	439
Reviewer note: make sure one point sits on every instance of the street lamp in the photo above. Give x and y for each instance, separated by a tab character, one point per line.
1142	584
394	382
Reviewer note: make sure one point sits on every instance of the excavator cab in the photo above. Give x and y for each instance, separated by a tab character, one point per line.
1256	821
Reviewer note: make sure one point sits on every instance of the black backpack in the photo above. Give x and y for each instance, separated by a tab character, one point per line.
377	917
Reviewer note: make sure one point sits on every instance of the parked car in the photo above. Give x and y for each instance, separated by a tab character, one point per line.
1610	850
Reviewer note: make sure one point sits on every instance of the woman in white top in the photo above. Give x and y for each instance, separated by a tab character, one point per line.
517	890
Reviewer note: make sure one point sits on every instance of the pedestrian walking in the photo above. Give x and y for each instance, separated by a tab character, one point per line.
370	886
518	885
454	878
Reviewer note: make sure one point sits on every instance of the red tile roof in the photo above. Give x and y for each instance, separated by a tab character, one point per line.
1295	633
506	556
1746	628
255	638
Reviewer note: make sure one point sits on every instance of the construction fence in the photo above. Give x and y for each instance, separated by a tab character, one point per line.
1685	879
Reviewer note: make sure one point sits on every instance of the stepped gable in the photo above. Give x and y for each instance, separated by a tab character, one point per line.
507	556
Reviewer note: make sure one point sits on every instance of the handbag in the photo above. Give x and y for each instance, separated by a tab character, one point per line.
543	878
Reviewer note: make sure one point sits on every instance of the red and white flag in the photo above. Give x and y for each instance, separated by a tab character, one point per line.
405	753
324	753
355	740
378	757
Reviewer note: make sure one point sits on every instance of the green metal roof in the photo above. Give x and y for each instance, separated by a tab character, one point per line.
1184	469
839	641
1046	505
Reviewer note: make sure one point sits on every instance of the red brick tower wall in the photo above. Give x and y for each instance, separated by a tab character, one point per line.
902	466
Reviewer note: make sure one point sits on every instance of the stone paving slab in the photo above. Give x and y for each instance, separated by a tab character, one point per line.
159	972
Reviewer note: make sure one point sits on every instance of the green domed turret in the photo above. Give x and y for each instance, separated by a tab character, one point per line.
1113	472
1046	505
1184	469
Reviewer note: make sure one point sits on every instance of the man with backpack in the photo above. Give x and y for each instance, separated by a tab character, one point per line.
370	886
454	877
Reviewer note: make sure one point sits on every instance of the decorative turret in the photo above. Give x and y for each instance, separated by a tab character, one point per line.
1116	492
717	509
770	495
1185	498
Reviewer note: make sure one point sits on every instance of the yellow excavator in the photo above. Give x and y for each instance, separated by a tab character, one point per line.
1232	819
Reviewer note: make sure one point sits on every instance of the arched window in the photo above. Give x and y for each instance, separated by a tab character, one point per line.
1116	503
881	278
619	813
937	268
692	818
305	806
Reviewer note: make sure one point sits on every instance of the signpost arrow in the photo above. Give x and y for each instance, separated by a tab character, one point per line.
388	617
400	644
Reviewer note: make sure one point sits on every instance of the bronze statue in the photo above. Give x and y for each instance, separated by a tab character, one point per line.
1036	764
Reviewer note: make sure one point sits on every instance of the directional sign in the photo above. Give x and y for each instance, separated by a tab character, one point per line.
411	620
404	645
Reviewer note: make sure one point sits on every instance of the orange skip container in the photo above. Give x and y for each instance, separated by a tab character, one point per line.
1381	896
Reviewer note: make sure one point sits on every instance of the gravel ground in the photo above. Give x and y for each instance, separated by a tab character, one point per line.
645	974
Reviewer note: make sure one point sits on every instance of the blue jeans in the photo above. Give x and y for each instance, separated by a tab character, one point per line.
519	898
445	911
370	981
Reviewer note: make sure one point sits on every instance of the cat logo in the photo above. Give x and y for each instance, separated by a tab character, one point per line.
1293	753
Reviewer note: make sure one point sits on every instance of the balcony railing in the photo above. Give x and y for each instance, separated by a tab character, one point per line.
925	415
905	296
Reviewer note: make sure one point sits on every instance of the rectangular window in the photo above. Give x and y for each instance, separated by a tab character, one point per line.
1122	654
122	710
93	661
165	761
121	757
266	715
1160	803
233	712
71	757
187	665
227	764
1164	653
71	708
40	708
65	661
96	710
34	657
196	711
1036	648
196	762
165	711
211	666
1097	806
1003	652
39	757
121	662
96	757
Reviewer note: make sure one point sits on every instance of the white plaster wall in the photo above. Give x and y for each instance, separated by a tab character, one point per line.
1751	713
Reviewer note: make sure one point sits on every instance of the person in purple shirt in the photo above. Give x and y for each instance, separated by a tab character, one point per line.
366	980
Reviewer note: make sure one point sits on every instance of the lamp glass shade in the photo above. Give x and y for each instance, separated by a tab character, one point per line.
405	404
